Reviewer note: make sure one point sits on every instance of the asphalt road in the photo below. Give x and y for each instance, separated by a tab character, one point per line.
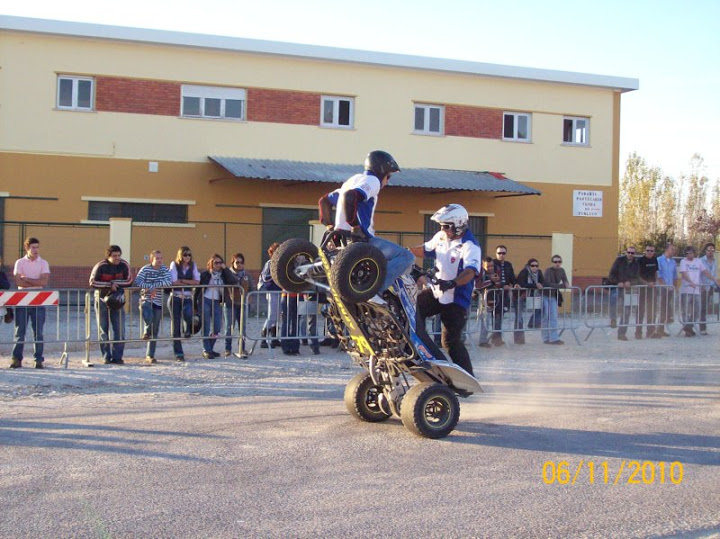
279	456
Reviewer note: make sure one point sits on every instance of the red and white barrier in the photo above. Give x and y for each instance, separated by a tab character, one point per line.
29	298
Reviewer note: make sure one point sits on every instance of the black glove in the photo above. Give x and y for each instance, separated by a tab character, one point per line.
446	285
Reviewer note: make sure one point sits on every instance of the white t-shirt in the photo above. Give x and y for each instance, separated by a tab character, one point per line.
452	258
370	186
692	270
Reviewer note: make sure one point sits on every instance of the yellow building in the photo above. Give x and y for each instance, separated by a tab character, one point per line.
226	144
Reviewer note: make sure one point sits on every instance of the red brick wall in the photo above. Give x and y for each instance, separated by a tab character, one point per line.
281	106
478	122
137	96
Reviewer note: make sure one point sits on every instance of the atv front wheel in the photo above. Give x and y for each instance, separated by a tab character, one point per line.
358	272
430	410
291	254
362	398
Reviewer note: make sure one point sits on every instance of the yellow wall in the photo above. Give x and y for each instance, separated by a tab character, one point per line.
383	111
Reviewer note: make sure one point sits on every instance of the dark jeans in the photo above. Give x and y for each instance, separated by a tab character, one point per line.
233	317
36	315
625	308
212	322
181	310
107	318
707	307
288	310
151	315
453	318
646	306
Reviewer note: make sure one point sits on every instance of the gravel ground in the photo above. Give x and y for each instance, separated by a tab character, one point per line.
265	447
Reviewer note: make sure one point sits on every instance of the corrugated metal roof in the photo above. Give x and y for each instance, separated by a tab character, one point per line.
423	178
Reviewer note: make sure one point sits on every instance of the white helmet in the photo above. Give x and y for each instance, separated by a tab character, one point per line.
453	214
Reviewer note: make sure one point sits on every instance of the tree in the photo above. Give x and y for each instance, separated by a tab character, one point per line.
696	200
638	211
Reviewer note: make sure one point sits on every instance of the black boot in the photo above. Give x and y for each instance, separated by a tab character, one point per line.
273	333
263	343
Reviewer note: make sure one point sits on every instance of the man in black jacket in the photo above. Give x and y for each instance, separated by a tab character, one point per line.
648	269
625	272
509	281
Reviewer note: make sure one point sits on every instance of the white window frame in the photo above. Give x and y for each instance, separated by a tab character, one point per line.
574	131
426	119
75	83
213	92
516	115
335	100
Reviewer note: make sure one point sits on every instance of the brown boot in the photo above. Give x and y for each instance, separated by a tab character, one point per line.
16	363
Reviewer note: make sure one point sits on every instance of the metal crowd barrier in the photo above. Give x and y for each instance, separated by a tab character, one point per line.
652	308
521	310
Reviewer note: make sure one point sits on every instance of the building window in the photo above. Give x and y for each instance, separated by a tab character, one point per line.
575	131
516	126
429	119
337	111
138	211
75	93
213	102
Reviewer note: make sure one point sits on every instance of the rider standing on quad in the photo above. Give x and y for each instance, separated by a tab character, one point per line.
457	257
355	202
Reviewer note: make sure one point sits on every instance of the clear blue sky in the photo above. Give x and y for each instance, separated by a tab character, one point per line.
672	47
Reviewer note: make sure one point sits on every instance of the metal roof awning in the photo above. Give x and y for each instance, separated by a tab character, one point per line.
423	178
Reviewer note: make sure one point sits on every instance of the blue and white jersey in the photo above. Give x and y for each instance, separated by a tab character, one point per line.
369	188
452	258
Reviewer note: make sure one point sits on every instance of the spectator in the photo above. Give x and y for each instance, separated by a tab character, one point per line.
667	277
624	274
307	320
183	271
491	317
233	308
31	273
218	278
266	283
555	280
457	257
648	272
109	277
152	278
6	313
531	279
509	281
691	269
707	305
289	309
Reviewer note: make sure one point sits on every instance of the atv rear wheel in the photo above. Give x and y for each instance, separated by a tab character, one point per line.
291	254
362	398
358	272
430	410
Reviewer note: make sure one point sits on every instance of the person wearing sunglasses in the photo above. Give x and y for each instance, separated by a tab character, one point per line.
624	273
512	290
184	271
355	203
217	280
555	280
531	282
457	258
648	270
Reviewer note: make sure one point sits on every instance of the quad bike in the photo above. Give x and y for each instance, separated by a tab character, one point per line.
379	332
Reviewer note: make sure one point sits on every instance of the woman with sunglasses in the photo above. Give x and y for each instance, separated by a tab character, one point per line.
184	271
555	280
216	291
531	280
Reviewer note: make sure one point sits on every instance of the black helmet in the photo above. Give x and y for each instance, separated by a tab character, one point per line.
381	164
115	300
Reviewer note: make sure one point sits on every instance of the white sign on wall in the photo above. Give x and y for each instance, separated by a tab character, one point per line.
587	203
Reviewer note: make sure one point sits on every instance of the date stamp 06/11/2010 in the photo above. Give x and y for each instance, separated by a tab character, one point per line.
631	472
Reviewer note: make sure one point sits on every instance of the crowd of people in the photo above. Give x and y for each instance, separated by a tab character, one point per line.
654	281
211	298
